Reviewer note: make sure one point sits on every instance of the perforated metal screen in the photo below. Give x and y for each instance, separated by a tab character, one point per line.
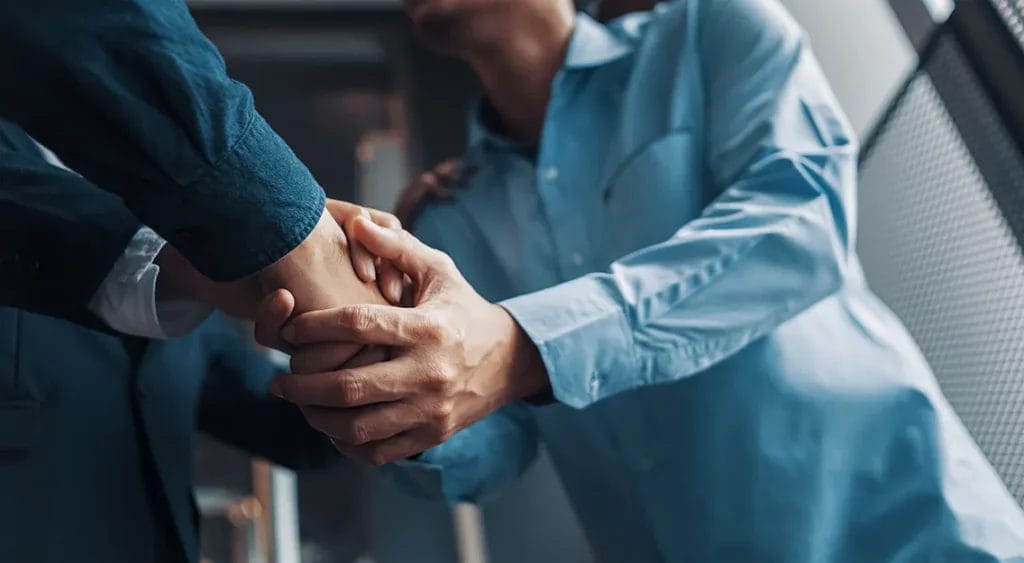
1012	12
940	251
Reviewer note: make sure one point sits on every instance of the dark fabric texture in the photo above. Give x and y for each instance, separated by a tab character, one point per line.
97	447
130	94
59	234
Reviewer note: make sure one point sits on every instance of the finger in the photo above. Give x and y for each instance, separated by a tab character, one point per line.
405	251
377	383
363	261
396	448
408	292
384	219
389	281
271	316
341	211
362	425
448	170
369	355
324	357
362	324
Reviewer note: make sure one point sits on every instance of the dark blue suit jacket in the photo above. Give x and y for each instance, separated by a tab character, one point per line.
59	234
97	436
131	95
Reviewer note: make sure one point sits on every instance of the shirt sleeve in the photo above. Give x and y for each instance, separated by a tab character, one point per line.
774	242
131	95
475	463
126	299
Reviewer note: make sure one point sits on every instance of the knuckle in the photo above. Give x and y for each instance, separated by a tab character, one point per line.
441	415
358	318
434	331
350	389
357	433
389	220
438	378
442	261
407	238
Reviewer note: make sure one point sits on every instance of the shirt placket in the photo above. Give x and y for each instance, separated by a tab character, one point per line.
554	174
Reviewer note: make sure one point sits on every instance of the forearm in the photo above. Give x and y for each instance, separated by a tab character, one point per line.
319	274
131	95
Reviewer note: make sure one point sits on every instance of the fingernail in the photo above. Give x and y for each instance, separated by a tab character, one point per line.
288	333
394	290
369	272
275	388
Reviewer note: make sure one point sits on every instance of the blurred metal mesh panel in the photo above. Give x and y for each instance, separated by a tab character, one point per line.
1012	12
938	245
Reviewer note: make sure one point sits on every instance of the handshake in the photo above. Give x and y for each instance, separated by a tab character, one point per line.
392	350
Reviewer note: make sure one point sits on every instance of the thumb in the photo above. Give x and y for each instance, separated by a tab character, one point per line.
405	251
273	313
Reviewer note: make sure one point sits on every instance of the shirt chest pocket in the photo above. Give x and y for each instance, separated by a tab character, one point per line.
651	194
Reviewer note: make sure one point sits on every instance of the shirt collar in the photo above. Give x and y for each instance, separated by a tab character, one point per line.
594	44
591	45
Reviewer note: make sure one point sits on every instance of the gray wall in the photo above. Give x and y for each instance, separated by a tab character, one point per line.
862	49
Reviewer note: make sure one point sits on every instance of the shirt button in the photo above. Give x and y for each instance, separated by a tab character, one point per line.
577	258
551	174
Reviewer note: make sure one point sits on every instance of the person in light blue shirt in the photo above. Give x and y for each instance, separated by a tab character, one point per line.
664	206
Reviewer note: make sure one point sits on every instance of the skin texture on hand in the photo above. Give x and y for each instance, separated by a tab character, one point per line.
455	358
320	273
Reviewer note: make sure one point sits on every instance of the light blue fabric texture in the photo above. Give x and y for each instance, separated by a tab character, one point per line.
681	250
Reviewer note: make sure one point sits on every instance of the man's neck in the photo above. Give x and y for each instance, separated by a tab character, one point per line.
517	74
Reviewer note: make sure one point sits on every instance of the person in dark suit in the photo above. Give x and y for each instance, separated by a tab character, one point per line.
130	94
59	234
97	441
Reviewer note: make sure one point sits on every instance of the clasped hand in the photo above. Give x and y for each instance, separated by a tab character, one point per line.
451	357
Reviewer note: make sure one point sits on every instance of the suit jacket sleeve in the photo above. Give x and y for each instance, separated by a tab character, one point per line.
237	407
130	94
59	234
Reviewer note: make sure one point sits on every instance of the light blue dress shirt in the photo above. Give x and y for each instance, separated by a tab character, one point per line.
681	250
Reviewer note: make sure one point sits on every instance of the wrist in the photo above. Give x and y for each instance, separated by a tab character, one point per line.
178	279
528	377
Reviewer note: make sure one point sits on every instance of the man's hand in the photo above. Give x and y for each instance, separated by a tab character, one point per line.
439	183
321	272
455	358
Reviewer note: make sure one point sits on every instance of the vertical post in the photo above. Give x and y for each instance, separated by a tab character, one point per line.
469	533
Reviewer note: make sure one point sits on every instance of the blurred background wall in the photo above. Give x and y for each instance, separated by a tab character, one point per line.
863	50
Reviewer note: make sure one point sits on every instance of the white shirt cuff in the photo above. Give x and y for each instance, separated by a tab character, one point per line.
126	300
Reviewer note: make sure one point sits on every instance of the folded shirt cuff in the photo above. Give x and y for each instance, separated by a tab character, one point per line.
126	299
583	338
247	211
